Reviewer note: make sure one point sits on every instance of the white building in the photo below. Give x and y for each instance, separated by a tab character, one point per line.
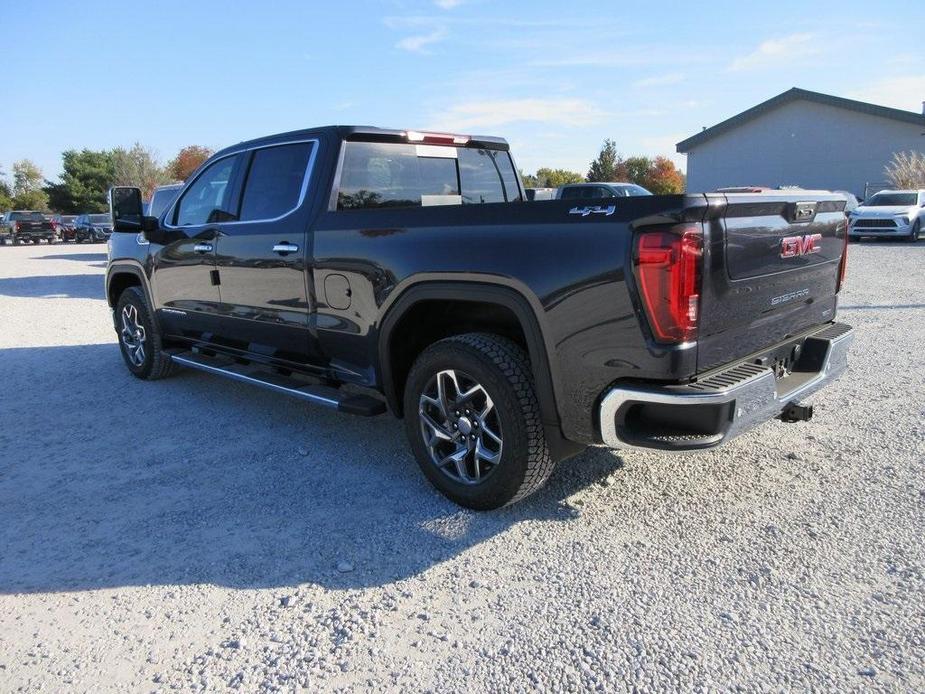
805	139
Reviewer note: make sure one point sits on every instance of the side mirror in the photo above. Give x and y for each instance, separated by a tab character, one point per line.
126	209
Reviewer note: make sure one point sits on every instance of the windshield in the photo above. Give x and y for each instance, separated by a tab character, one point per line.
99	219
34	216
633	190
892	200
161	200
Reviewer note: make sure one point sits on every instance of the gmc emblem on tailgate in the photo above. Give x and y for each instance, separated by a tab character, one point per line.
793	246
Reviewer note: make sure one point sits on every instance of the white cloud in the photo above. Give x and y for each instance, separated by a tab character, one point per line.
419	42
779	51
493	113
448	4
905	92
660	80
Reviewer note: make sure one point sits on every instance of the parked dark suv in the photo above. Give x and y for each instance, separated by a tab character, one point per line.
93	228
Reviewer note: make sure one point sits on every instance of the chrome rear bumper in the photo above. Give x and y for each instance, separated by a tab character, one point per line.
721	406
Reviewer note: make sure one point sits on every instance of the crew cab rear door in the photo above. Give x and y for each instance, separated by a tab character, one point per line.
261	256
772	270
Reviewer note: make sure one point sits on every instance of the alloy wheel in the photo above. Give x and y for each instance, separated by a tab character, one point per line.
460	427
133	335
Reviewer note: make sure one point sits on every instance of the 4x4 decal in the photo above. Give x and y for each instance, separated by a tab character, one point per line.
594	209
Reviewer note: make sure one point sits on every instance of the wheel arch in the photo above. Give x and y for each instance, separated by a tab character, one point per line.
510	298
120	277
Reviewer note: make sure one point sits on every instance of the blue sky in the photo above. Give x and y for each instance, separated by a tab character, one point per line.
554	78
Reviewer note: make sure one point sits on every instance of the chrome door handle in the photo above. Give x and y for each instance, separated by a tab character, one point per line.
203	248
285	247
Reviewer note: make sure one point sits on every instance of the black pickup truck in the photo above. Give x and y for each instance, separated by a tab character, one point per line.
371	270
23	226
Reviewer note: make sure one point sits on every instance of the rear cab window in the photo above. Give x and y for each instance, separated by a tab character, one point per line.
388	174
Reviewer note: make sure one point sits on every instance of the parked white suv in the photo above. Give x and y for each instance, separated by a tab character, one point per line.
889	213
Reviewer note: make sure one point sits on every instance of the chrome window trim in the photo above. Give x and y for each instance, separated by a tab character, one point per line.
302	193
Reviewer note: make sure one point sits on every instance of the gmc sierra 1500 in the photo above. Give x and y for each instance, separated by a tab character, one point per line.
368	269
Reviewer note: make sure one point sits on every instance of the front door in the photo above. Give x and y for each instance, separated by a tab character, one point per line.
184	282
261	258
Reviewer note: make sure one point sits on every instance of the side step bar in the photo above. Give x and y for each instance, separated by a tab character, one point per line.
350	403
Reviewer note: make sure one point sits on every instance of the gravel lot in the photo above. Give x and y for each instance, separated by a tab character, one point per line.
197	533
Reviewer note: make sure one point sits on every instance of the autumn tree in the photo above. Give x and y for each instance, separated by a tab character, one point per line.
138	166
663	177
187	161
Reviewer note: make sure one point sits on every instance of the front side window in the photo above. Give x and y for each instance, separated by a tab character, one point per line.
209	197
382	174
274	182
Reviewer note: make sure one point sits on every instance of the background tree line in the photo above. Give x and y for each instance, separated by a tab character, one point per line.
658	175
88	175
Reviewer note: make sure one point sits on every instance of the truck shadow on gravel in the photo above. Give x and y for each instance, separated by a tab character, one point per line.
97	260
54	287
114	482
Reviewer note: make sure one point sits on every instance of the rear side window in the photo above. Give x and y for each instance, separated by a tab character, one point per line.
274	182
380	174
208	199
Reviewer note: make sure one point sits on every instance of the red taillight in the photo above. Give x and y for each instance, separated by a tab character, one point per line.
843	265
16	227
668	271
436	138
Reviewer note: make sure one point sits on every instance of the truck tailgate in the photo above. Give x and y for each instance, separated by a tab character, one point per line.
771	271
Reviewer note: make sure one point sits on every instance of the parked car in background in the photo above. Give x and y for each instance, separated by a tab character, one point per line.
92	227
577	191
22	226
889	213
64	226
540	193
363	269
161	199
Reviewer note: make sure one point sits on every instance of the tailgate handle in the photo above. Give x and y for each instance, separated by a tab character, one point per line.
802	212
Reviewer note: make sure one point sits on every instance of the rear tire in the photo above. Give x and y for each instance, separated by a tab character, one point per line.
491	442
140	338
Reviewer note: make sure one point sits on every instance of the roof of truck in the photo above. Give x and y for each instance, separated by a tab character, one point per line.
347	132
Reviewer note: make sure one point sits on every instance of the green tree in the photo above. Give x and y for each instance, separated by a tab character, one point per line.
553	178
139	167
6	196
529	180
87	177
27	186
637	169
608	166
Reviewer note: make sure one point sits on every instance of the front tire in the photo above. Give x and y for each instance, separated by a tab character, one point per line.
473	421
139	337
916	229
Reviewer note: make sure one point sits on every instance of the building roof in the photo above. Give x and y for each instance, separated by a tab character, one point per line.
796	94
